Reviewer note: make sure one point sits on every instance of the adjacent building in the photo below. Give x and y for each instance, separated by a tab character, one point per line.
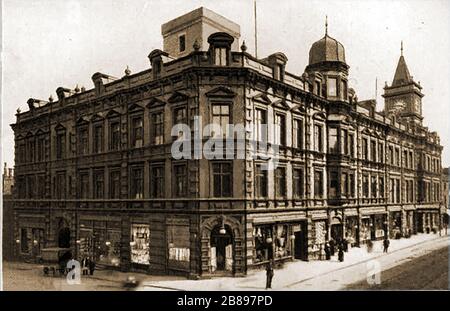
8	242
94	169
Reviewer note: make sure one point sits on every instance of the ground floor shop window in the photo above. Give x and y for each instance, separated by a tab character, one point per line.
365	229
25	240
221	249
351	227
379	225
281	241
178	247
100	241
263	243
140	244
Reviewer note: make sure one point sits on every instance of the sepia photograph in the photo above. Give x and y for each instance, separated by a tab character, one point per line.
245	146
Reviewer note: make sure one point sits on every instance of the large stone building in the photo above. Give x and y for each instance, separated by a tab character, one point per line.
8	242
94	169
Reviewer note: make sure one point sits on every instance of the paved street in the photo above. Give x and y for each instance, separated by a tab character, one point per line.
427	272
420	262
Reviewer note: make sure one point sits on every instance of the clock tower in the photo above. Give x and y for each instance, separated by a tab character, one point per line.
403	97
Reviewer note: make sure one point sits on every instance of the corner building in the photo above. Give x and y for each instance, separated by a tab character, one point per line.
94	170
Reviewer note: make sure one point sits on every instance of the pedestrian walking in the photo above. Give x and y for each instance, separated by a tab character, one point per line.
386	243
332	246
85	266
327	251
91	266
341	254
345	244
269	274
369	246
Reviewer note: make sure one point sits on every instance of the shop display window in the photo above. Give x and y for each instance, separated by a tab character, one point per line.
140	244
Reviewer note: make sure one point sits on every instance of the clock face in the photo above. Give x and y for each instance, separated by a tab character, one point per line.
399	104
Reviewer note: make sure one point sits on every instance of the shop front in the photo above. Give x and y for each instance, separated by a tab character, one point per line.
140	245
99	240
395	225
351	230
31	238
178	245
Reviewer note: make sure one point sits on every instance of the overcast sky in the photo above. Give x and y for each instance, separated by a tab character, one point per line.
52	43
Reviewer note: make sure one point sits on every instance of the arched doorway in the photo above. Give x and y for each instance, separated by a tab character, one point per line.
63	234
336	229
222	249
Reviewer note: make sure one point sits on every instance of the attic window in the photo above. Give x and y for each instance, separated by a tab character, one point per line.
182	43
220	56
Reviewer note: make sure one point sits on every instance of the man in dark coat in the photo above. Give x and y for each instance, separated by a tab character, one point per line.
332	246
269	274
91	266
386	243
85	265
327	251
341	253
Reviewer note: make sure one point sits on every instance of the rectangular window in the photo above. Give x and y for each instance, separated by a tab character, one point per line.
351	141
180	117
157	182
373	186
380	152
24	240
260	182
391	155
114	136
221	118
83	141
397	157
411	159
158	128
297	176
381	186
261	125
365	149
365	186
318	144
352	185
318	183
137	183
84	185
280	182
397	190
182	43
345	185
280	129
344	89
344	136
137	134
222	179
41	186
297	138
373	150
31	150
61	145
60	185
99	184
180	172
334	184
114	184
30	186
98	138
220	56
40	149
333	140
332	86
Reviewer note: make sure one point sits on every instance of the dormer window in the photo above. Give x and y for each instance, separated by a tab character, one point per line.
317	91
182	43
220	56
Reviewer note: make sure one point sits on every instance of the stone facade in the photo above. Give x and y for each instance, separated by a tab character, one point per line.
94	169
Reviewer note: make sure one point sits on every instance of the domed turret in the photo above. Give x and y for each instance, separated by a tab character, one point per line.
326	49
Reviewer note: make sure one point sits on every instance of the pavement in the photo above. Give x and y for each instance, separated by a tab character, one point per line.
317	275
296	275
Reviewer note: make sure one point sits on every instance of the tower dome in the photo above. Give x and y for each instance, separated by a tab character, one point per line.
326	49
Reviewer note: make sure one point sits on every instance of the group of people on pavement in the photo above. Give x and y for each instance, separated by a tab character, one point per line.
87	266
330	250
